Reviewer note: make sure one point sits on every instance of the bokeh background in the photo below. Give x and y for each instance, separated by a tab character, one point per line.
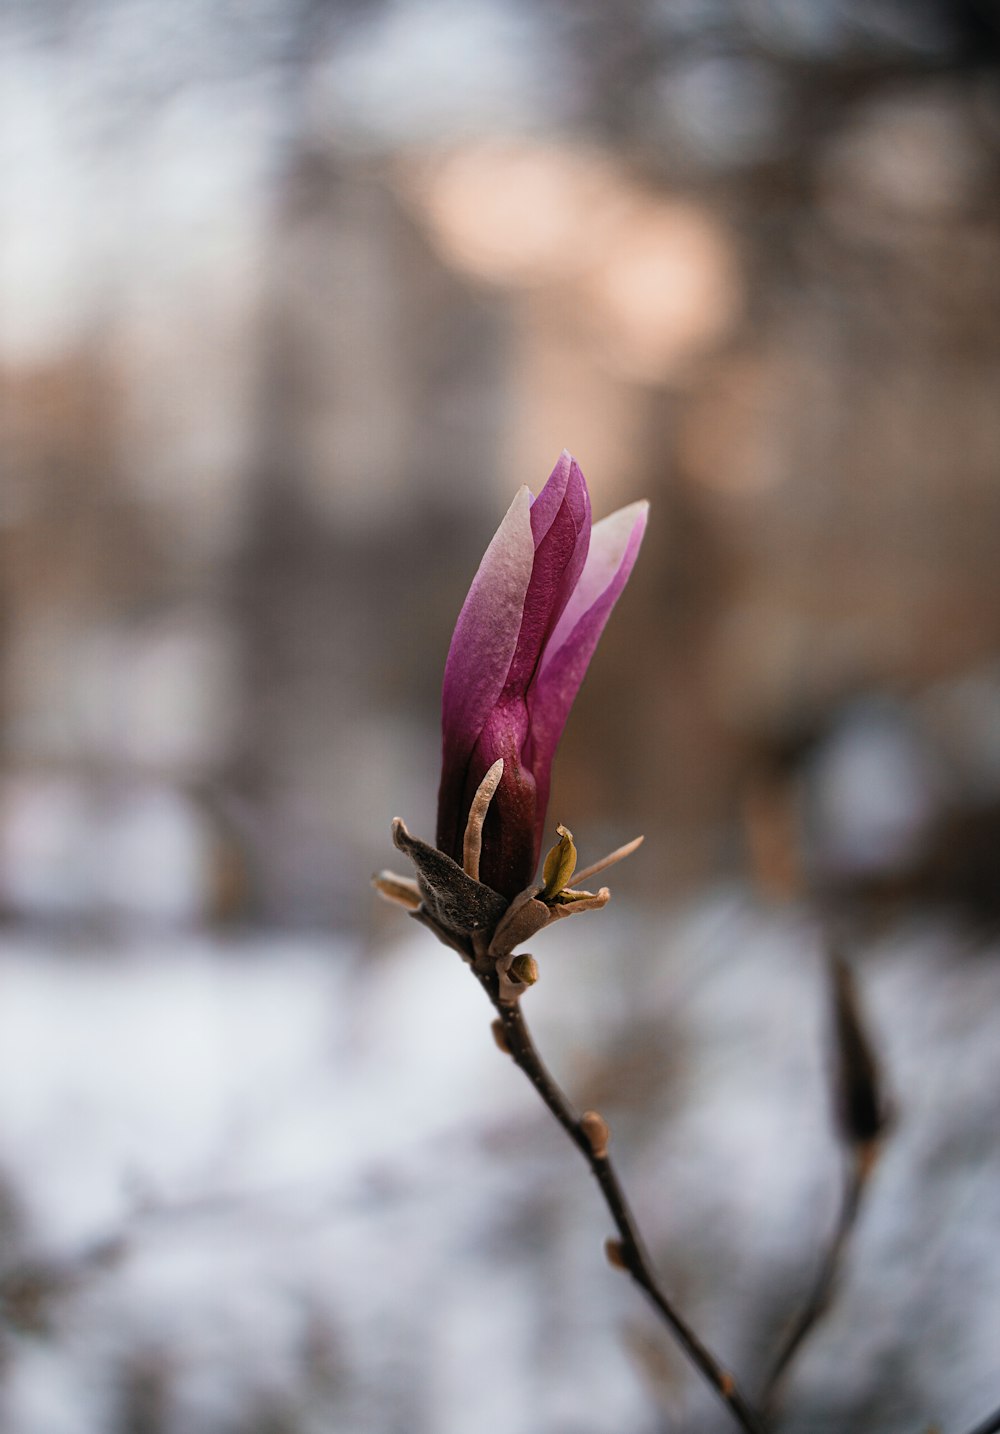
293	296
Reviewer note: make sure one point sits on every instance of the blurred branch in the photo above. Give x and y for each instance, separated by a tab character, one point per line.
862	1116
856	1175
589	1133
30	1288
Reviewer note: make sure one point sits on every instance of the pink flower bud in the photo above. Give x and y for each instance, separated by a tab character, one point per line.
521	647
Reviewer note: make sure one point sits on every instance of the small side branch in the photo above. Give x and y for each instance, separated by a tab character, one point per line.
990	1425
860	1160
863	1116
589	1135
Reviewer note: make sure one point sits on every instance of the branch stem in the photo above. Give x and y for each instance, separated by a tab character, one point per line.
634	1256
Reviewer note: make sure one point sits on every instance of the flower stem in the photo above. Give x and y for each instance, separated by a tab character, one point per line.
633	1255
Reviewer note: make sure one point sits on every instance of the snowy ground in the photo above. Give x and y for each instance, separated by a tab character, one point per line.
262	1186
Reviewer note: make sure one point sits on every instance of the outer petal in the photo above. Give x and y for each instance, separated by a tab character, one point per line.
614	547
479	659
508	858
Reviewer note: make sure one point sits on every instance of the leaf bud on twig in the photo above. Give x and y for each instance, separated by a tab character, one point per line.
614	1252
525	969
597	1131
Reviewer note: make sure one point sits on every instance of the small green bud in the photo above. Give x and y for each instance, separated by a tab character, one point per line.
560	865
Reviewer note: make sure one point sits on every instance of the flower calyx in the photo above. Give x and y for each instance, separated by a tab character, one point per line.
455	900
483	926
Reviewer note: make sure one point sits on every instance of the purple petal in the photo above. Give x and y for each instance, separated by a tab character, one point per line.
545	507
480	656
614	546
612	540
561	531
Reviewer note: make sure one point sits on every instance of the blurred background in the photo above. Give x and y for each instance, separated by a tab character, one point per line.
293	296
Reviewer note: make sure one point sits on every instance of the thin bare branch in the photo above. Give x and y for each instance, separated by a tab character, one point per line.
629	1248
